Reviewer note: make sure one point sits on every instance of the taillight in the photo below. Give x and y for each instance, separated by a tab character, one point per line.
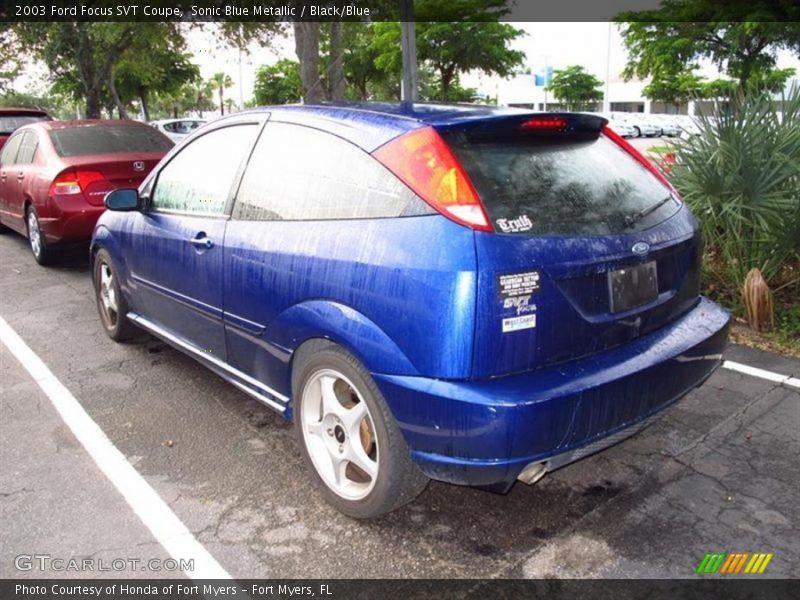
74	182
623	143
424	162
540	123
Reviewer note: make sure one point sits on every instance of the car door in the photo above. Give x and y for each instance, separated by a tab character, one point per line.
21	177
8	179
306	202
174	247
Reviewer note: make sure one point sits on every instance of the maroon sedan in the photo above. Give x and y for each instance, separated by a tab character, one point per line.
54	176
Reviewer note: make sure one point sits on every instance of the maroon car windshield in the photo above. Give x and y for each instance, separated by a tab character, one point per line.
111	139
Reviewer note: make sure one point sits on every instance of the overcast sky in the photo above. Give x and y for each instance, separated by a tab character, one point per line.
557	44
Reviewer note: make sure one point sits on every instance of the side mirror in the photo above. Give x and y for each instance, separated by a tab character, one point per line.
123	200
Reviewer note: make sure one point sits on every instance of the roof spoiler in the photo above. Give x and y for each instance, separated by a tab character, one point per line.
520	127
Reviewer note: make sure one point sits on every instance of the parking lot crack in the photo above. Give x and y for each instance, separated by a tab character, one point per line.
15	492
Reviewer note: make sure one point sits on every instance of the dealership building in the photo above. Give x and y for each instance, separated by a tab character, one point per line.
529	91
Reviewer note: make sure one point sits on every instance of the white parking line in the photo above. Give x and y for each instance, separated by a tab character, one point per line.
762	373
165	526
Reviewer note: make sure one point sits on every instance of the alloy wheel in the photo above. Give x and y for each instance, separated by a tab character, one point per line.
339	434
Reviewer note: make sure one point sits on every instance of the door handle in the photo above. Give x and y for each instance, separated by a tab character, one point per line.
201	241
20	176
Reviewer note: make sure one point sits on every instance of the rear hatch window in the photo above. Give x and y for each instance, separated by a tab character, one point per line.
79	141
561	184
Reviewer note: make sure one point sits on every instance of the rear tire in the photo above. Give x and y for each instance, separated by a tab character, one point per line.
637	132
111	303
352	446
36	239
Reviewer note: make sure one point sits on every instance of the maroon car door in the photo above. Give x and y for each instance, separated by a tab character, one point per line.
20	175
8	181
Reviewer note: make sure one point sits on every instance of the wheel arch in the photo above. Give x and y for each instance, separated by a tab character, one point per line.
309	326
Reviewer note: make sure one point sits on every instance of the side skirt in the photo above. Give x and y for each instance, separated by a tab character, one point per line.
243	381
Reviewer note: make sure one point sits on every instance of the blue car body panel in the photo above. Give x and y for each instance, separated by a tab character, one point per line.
362	291
416	300
485	432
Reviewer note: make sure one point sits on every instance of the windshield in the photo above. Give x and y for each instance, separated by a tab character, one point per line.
111	139
562	186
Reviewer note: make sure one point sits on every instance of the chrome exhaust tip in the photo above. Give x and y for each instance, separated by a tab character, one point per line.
532	472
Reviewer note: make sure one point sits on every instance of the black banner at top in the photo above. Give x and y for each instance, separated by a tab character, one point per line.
329	10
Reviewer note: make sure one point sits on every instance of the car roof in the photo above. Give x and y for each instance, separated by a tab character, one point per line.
371	124
50	125
23	111
165	121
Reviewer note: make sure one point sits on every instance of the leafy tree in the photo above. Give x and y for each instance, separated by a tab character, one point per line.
365	80
674	88
156	63
741	37
9	59
278	84
221	82
84	53
453	38
575	87
196	96
106	63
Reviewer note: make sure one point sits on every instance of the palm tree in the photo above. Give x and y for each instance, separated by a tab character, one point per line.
221	81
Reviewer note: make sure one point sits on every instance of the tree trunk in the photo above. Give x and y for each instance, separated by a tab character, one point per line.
447	74
112	88
306	43
221	103
338	84
145	107
93	103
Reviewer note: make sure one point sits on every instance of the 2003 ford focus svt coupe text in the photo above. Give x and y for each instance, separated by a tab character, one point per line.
472	295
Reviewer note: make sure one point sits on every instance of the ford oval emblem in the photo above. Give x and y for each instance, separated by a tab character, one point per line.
641	248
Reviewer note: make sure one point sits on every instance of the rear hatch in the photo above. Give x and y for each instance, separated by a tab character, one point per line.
590	248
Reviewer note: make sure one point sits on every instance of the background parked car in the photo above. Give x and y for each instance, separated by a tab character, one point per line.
177	129
642	124
467	294
668	124
55	174
12	119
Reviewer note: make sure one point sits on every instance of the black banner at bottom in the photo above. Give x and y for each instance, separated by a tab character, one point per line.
348	589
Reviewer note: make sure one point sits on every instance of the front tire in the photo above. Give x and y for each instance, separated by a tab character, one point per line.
351	444
36	239
111	304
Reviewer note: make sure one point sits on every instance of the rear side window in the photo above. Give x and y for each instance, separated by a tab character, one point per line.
78	141
199	178
27	149
549	185
301	173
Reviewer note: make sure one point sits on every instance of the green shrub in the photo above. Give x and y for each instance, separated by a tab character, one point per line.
741	177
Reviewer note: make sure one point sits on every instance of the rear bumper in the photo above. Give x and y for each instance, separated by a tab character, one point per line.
484	433
70	220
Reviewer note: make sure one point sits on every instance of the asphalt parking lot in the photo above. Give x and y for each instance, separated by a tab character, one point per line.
718	472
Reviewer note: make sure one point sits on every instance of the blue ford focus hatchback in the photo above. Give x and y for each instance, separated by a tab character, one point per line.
466	294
